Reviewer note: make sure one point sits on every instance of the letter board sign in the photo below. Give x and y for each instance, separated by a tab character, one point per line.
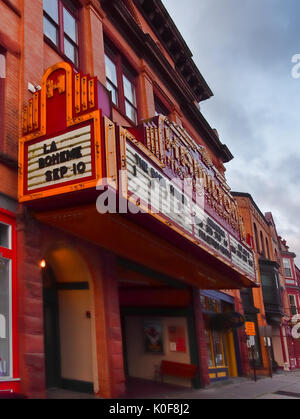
61	149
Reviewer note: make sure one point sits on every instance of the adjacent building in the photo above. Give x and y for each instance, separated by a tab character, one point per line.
292	294
263	306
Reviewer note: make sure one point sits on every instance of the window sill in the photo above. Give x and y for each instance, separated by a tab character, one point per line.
59	52
9	380
130	121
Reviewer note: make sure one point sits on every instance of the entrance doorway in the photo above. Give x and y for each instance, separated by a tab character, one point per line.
67	323
221	345
157	325
51	330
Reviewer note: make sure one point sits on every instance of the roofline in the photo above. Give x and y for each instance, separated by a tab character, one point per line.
248	195
119	14
287	253
166	30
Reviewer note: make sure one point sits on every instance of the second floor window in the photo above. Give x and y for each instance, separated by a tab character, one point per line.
120	81
293	305
160	109
287	268
61	27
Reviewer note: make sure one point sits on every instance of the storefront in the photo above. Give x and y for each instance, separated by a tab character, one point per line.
8	303
157	323
222	344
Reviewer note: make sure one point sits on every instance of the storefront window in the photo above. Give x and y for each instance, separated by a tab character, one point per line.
210	304
218	349
215	349
5	236
214	339
5	318
209	350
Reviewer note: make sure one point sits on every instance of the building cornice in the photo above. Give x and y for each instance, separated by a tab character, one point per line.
288	254
247	195
163	26
147	49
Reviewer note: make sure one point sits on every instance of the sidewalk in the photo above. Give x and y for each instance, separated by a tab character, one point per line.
283	385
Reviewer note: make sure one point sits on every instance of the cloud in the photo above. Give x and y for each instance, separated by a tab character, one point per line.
244	51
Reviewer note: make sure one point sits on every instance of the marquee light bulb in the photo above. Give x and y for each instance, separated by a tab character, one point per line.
43	264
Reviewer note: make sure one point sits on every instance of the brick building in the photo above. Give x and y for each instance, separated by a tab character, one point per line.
264	305
292	307
101	97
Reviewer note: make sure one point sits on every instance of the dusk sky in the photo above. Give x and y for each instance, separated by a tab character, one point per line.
244	50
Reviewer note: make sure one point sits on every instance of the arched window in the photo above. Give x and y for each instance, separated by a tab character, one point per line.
2	92
268	249
256	239
262	244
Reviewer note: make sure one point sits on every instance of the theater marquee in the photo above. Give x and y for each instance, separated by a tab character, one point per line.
148	184
61	148
70	145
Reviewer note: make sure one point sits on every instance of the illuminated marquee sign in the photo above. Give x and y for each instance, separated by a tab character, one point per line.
146	185
181	157
61	148
64	158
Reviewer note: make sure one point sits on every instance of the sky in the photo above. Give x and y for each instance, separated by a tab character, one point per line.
244	50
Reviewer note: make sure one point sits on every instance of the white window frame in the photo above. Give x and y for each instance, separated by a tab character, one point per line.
9	236
10	326
295	303
289	267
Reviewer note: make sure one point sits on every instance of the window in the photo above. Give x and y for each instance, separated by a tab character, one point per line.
268	249
5	316
7	295
293	305
111	79
5	236
2	92
120	81
160	109
130	99
262	244
210	304
256	238
287	268
215	349
61	27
